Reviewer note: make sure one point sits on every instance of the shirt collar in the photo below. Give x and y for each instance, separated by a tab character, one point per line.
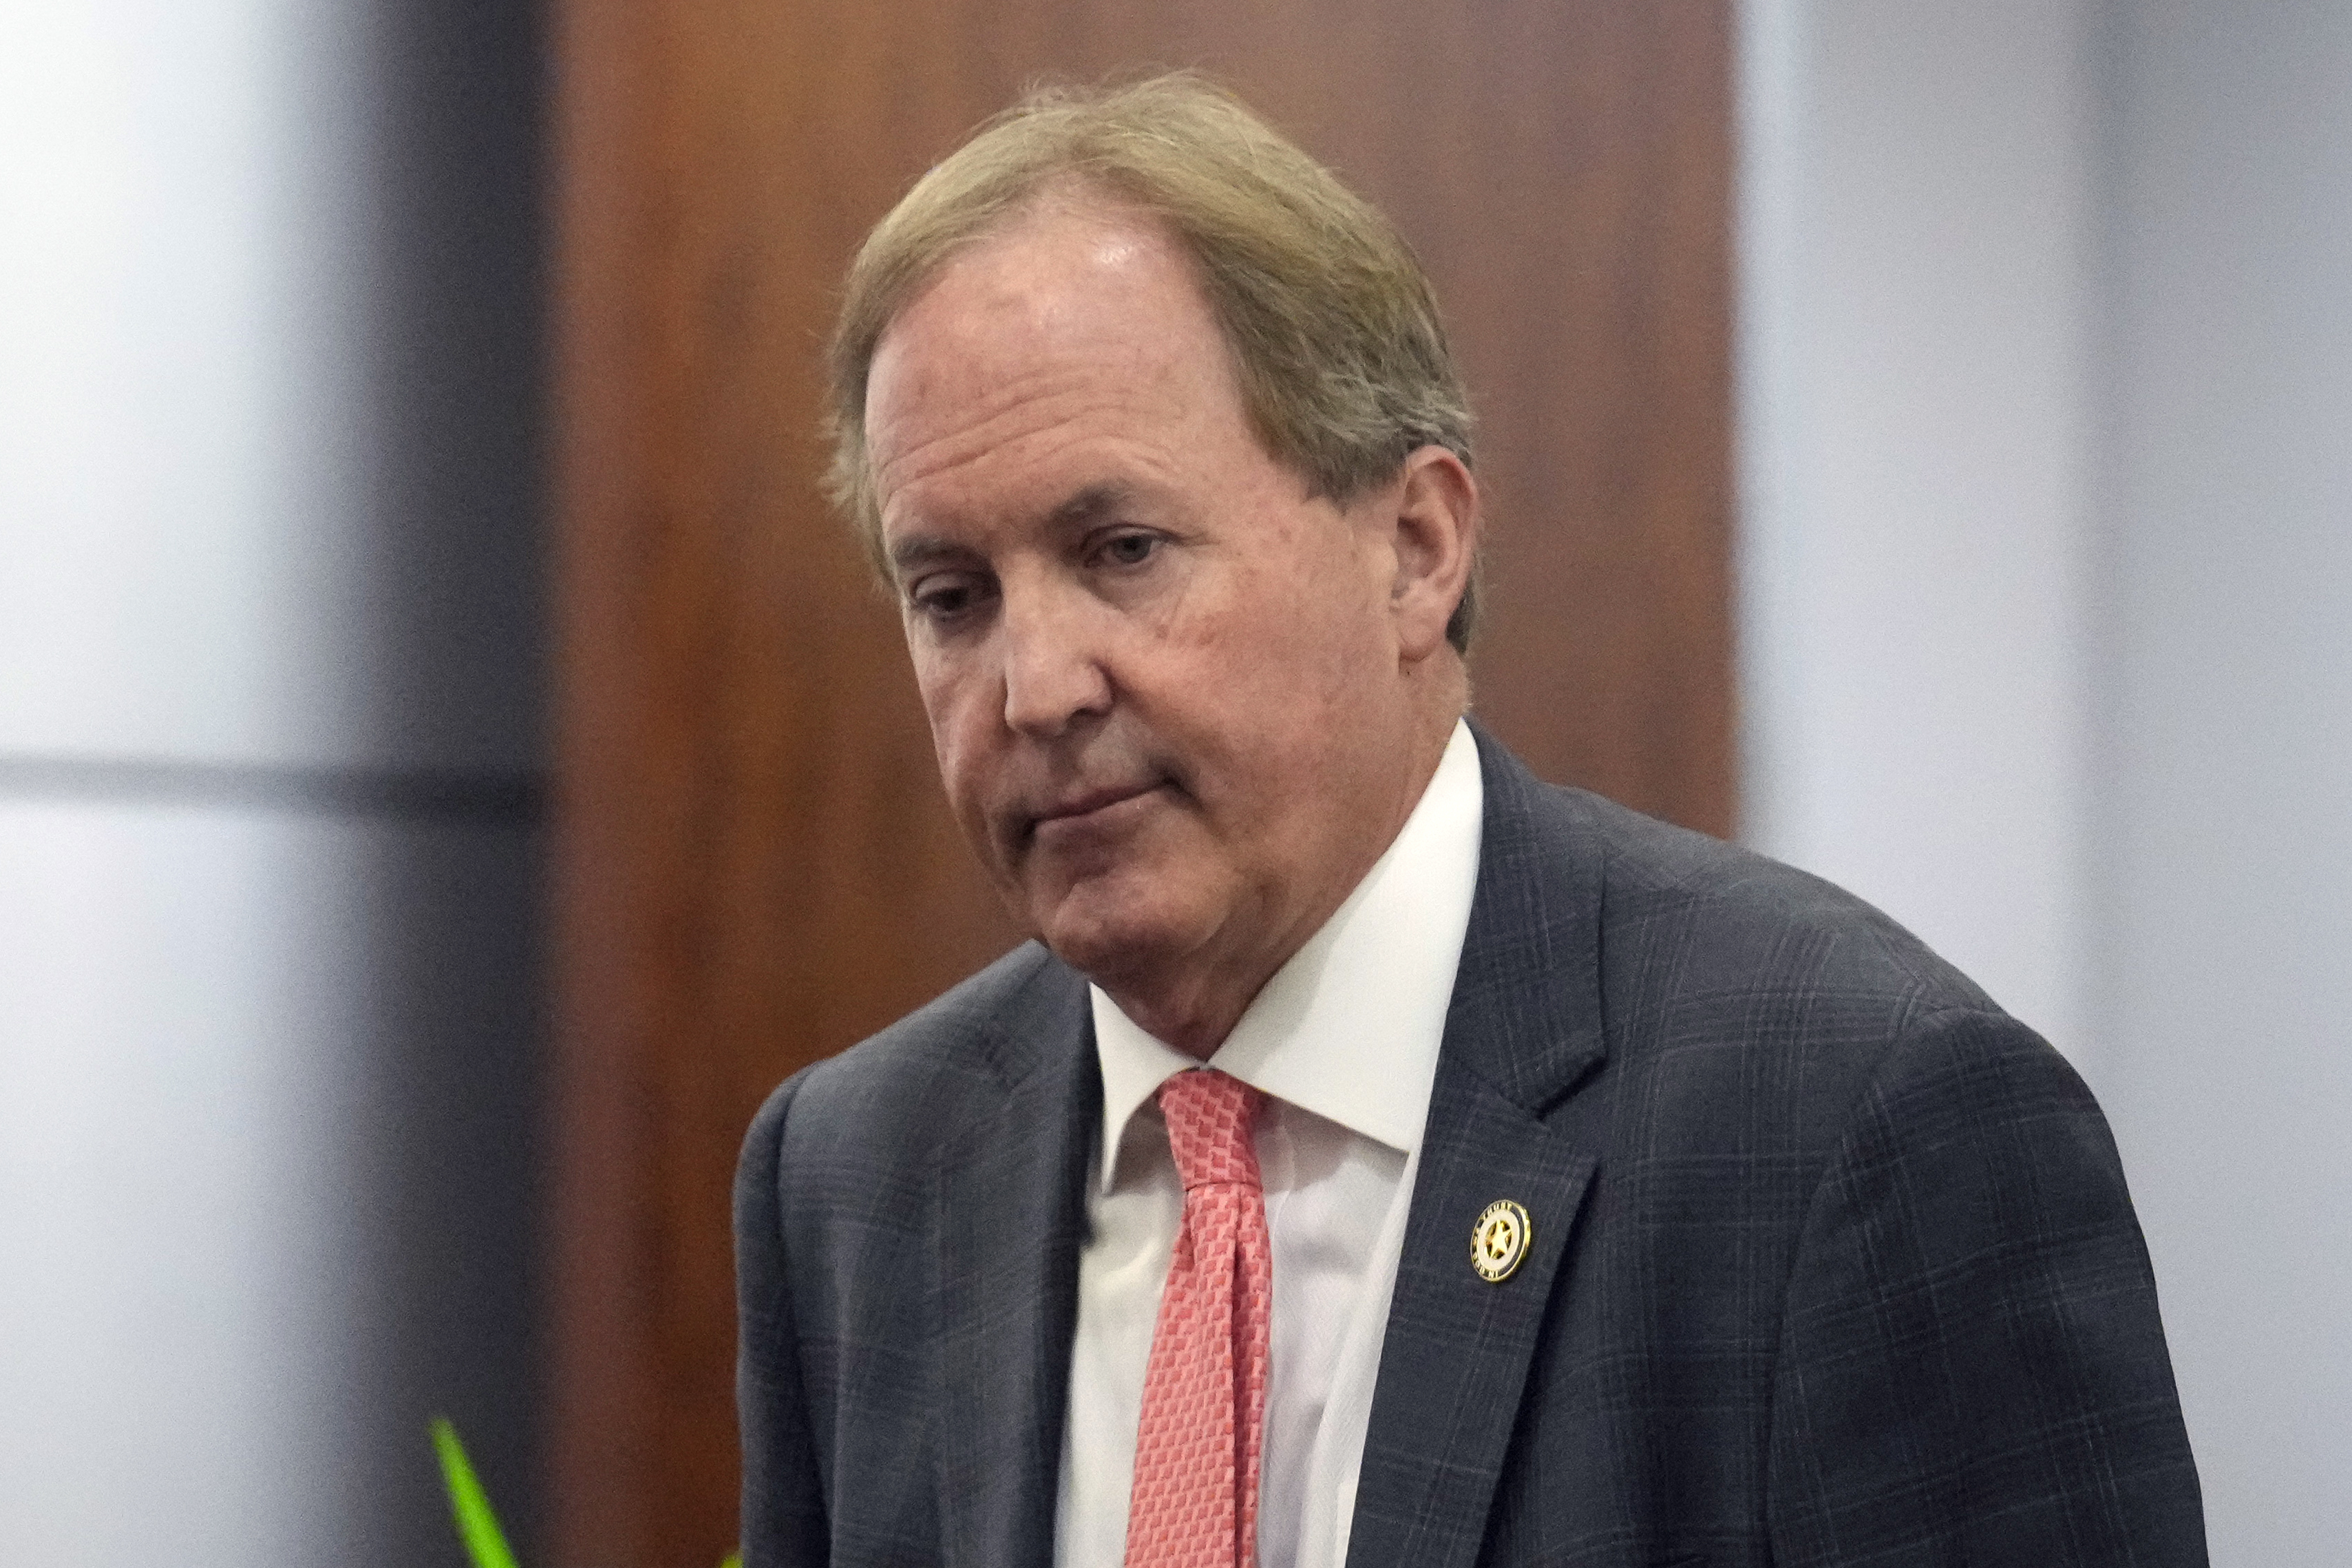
1350	1027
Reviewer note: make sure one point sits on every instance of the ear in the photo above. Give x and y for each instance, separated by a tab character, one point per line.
1436	537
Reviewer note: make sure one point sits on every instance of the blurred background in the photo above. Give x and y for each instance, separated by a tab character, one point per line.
450	767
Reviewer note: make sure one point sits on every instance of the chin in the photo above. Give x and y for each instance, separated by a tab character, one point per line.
1107	939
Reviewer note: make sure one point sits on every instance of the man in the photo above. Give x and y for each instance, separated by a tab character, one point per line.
1381	1157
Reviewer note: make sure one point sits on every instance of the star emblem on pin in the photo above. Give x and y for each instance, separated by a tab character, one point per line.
1499	1240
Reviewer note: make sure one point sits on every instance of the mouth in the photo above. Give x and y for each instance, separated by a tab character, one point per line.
1082	810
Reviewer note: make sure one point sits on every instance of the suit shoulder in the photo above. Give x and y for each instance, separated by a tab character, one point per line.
1728	918
903	1087
1742	999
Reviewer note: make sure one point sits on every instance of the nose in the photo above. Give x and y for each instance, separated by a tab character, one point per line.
1054	672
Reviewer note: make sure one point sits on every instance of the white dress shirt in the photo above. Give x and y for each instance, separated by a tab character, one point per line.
1343	1040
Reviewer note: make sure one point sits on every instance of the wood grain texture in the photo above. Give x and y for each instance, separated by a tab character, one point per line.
755	866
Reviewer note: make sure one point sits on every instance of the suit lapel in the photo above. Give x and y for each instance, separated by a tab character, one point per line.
1010	1219
1523	1030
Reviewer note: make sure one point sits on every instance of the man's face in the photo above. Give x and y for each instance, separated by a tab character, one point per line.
1164	683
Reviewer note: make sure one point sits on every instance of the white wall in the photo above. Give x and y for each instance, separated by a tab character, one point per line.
2047	606
2222	984
267	695
1914	233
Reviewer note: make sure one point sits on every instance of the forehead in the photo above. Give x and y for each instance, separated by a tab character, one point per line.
1071	313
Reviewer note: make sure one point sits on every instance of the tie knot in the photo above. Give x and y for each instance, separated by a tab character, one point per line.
1209	1117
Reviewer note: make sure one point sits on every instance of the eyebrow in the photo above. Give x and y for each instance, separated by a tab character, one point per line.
1089	505
921	550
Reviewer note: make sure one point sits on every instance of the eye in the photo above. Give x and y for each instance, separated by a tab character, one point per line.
1130	548
946	597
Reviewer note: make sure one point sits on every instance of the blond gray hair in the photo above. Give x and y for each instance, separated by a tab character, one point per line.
1343	360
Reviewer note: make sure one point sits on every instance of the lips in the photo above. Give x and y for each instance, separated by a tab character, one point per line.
1091	802
1073	808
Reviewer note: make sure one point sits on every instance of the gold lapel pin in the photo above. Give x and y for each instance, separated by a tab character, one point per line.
1499	1240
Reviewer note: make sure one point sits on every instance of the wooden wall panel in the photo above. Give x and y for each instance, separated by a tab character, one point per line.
755	866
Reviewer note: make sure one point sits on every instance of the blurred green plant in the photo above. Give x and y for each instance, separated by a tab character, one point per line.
478	1523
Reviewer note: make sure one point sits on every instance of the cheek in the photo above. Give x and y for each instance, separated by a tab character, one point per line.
1311	696
1311	655
955	705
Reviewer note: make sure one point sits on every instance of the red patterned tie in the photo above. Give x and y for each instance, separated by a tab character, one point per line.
1196	1449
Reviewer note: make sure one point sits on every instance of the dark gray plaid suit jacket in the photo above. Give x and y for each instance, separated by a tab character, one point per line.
1832	1262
